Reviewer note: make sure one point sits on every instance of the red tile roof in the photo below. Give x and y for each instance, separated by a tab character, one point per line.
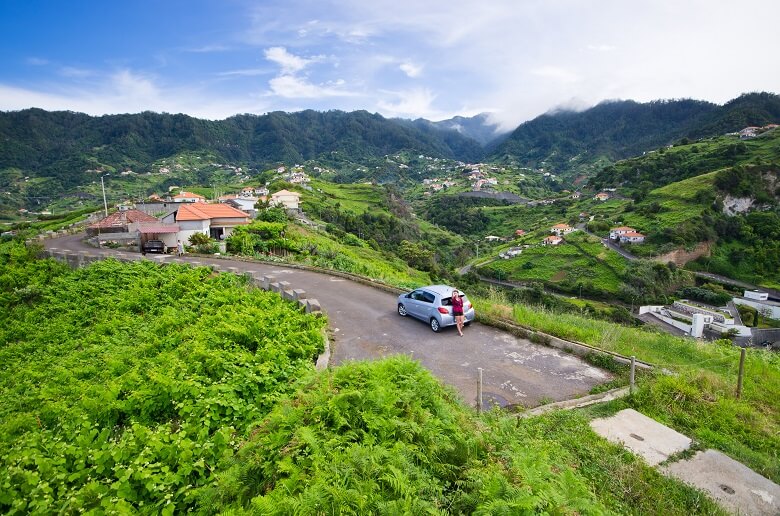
623	228
203	211
123	218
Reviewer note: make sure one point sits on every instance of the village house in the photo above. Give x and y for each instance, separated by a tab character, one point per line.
215	220
511	253
187	197
552	240
519	232
561	229
632	238
749	132
287	199
601	196
615	233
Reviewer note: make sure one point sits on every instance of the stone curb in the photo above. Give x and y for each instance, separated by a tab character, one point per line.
601	397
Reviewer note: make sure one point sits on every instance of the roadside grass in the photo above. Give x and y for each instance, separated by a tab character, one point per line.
697	397
322	249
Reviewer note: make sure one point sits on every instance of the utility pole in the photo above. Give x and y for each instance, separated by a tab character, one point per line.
103	187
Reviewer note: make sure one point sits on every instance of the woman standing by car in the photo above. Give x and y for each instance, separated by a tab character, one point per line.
457	311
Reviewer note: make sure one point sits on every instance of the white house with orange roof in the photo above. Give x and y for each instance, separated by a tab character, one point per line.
215	220
552	240
615	233
632	237
561	229
601	196
289	200
187	197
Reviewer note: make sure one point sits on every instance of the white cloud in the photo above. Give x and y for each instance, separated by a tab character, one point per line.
128	92
290	63
413	103
246	72
290	86
601	48
411	69
556	73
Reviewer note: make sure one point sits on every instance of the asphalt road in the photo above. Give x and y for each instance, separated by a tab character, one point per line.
364	325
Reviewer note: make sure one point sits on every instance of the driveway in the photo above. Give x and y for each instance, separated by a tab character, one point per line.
364	325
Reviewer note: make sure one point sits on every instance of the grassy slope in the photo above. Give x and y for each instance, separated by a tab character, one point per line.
597	266
698	398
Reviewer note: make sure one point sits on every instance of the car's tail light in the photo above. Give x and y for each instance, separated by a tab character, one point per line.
468	306
443	310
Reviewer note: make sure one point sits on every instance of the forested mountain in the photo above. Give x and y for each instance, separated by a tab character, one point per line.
62	145
478	127
620	129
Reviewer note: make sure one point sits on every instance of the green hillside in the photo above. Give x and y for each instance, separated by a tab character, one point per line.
566	141
580	265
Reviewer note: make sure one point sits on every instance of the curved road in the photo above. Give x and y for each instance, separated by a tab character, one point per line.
364	325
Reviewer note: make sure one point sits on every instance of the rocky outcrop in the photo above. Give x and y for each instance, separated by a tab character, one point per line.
734	205
680	256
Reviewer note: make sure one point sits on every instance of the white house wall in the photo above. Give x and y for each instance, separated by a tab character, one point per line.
187	228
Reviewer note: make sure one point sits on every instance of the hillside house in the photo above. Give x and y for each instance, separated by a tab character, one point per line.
561	229
124	221
601	196
552	240
615	233
632	237
519	232
511	253
749	132
287	199
188	197
241	202
215	220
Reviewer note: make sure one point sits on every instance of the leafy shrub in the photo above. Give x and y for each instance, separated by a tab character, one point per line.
125	384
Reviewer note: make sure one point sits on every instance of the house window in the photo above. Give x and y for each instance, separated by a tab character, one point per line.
217	233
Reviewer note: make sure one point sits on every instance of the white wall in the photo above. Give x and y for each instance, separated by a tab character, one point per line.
774	311
190	227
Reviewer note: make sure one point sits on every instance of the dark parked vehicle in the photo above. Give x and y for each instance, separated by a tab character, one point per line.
433	305
154	246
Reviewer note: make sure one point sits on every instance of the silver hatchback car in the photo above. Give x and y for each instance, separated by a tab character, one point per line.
433	304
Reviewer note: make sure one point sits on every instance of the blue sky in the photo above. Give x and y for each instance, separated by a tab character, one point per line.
512	58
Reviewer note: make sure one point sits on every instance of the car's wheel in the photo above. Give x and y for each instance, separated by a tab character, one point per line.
466	323
402	310
435	326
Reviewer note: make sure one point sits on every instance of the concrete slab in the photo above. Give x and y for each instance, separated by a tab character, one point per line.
736	487
645	437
